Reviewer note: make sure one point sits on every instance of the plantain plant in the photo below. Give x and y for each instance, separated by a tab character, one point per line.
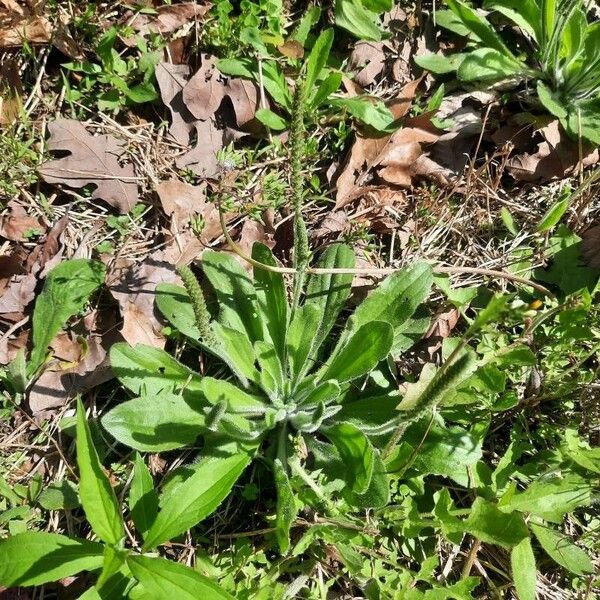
557	49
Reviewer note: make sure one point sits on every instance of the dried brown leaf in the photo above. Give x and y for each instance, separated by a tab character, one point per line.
16	223
202	158
205	91
590	247
245	99
368	59
92	160
10	91
168	19
171	81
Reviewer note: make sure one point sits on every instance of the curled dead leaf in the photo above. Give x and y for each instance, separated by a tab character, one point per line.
169	18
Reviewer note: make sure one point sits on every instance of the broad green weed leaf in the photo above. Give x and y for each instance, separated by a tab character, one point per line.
271	297
328	86
143	499
163	579
238	401
356	452
235	292
492	312
478	25
325	392
237	67
524	13
186	504
551	497
396	298
330	292
561	549
307	22
286	506
352	16
440	64
301	340
369	111
270	365
275	83
237	353
35	558
156	422
97	496
113	561
487	64
147	370
522	564
66	290
317	59
174	303
553	215
271	119
361	353
377	495
489	524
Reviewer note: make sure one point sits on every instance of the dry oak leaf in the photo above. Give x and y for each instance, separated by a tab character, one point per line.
134	289
168	18
205	91
369	59
92	160
171	80
183	201
590	247
15	224
557	157
202	158
245	99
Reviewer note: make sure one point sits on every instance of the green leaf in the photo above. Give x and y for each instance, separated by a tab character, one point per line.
492	312
357	454
489	524
275	83
309	19
368	110
174	303
352	16
378	6
143	92
317	59
147	370
163	578
478	25
509	221
238	401
561	549
360	353
66	290
97	496
551	101
235	292
330	292
271	297
524	13
440	64
487	64
237	352
35	558
553	215
301	340
237	67
551	497
396	299
566	270
155	423
522	564
184	505
287	510
143	499
271	120
328	86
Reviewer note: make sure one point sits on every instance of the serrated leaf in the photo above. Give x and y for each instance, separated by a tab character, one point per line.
97	495
35	558
188	503
66	290
167	579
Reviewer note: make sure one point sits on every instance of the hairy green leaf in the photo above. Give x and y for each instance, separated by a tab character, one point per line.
167	579
186	504
522	564
286	506
143	499
35	558
66	290
97	496
317	58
